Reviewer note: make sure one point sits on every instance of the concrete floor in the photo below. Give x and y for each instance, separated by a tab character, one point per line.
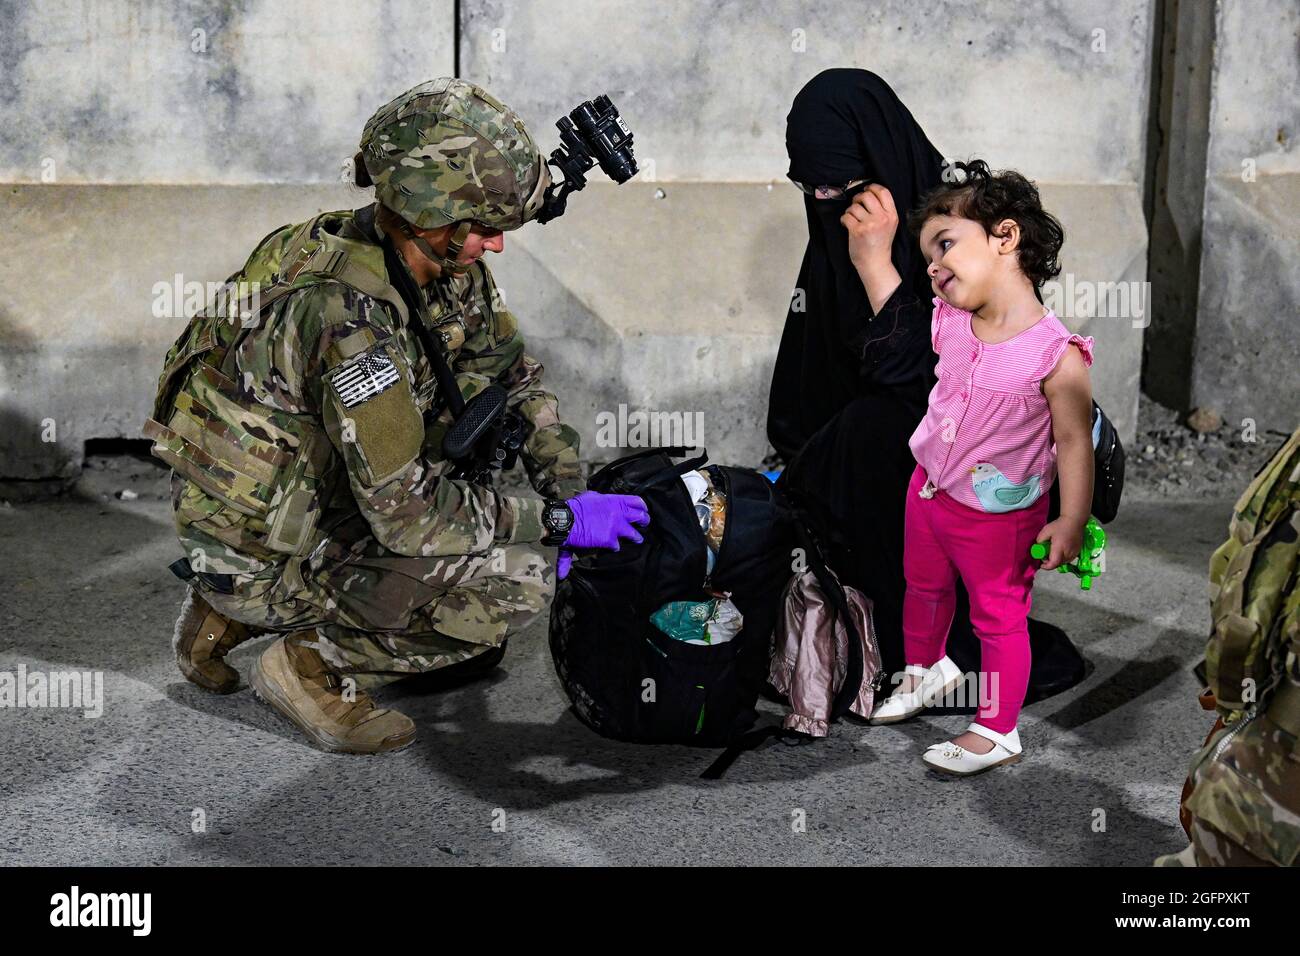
84	585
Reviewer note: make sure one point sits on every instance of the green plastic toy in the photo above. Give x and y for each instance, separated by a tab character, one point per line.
1091	561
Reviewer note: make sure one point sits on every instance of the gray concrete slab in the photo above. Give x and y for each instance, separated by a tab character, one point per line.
1244	364
197	129
637	305
84	585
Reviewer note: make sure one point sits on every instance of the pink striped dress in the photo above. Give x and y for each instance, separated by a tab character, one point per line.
986	439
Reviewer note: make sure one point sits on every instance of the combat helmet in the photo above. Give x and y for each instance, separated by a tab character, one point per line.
446	151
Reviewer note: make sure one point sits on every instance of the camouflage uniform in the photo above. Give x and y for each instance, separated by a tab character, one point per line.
1244	804
305	437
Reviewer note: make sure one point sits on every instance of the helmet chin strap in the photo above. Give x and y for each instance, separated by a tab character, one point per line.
455	245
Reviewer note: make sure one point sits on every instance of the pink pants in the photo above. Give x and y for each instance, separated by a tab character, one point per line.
944	538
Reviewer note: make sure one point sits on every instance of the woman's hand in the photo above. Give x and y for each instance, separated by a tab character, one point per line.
871	221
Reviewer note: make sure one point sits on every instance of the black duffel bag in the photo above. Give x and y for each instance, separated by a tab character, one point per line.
627	679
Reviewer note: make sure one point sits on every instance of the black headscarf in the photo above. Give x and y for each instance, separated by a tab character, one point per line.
847	124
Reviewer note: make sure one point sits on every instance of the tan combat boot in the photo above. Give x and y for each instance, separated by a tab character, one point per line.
201	641
294	679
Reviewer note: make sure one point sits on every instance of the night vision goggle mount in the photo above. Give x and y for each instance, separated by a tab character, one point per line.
593	132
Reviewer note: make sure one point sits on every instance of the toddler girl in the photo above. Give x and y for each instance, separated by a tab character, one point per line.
1011	408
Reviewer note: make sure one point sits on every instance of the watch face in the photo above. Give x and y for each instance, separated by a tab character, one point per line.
559	518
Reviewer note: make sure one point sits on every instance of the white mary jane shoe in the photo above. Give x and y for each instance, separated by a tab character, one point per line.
947	757
937	682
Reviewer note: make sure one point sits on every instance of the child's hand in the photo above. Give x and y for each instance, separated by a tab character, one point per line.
1067	541
871	220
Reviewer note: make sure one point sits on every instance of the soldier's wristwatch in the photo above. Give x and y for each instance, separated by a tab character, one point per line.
557	519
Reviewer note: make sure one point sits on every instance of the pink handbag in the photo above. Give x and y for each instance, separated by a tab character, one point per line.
811	655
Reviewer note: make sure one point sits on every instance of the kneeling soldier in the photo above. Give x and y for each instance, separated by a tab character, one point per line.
304	426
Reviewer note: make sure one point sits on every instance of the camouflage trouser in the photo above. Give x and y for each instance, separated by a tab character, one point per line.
1245	801
386	615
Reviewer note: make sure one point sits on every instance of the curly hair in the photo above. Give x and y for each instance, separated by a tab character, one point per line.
988	198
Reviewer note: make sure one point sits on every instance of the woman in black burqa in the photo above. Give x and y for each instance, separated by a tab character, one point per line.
850	385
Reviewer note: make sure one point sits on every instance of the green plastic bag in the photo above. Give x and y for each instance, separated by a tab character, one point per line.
699	622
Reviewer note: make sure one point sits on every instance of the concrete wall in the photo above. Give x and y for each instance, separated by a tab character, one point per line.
135	155
142	140
689	291
79	344
226	93
1247	347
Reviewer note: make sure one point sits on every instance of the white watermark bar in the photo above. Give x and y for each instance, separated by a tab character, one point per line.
978	689
1072	298
47	690
75	909
640	428
236	302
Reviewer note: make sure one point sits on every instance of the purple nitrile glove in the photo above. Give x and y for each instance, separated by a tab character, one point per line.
600	521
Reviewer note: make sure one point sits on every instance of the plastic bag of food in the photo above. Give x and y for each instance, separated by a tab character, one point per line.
715	621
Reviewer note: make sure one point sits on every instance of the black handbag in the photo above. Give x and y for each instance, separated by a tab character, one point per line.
1108	483
1108	472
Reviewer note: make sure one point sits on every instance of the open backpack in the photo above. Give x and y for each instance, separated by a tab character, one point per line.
638	636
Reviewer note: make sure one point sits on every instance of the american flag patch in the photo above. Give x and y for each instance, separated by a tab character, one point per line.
372	373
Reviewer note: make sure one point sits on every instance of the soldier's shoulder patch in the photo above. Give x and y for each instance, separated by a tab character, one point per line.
369	374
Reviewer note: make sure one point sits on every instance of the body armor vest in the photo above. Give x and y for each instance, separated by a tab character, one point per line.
265	463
